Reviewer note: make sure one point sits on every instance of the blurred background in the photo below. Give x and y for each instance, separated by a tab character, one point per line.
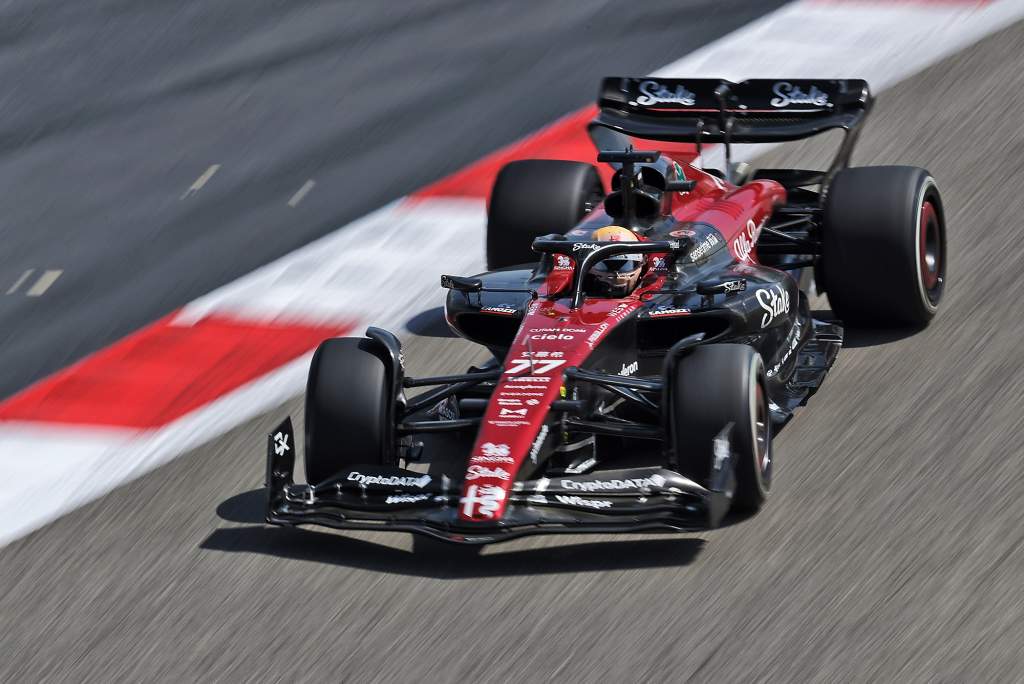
196	193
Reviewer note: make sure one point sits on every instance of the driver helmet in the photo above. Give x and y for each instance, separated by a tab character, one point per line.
618	275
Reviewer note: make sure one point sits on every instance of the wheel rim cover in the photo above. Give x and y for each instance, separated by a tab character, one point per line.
930	252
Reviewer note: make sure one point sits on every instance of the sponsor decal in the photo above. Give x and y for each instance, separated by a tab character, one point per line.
743	244
494	453
406	498
513	412
683	233
583	503
506	393
517	366
652	93
659	264
508	423
510	402
562	262
704	248
614	316
619	312
774	301
669	311
557	330
482	500
552	336
577	246
389	480
793	342
788	94
544	354
596	335
721	447
614	485
734	286
493	459
629	368
446	409
538	443
281	444
532	402
501	310
475	472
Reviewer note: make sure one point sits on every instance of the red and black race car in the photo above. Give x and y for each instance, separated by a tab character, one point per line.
646	344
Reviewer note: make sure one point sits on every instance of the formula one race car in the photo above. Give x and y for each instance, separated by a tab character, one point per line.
646	344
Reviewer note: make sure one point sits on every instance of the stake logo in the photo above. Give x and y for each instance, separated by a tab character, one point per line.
475	472
652	92
775	302
788	94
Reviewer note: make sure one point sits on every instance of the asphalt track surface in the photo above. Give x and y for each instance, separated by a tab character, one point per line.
113	110
891	549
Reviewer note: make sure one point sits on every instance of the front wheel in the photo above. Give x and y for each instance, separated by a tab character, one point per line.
720	391
346	413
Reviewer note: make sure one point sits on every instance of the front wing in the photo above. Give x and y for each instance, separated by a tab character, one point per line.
395	499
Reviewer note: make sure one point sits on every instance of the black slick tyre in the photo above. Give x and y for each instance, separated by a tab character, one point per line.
884	240
535	197
345	408
717	385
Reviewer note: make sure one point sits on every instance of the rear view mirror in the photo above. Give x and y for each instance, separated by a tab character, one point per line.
708	288
467	285
680	185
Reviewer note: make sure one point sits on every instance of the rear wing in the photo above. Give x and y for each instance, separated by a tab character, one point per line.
714	110
701	110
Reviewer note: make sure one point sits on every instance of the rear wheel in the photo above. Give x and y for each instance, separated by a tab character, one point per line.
884	239
718	385
345	408
535	197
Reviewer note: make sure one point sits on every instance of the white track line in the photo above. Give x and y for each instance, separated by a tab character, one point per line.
201	181
47	279
20	281
301	194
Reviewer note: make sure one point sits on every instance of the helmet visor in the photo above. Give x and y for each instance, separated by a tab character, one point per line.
623	263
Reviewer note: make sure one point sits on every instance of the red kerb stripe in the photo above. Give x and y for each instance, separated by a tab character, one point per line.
164	371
